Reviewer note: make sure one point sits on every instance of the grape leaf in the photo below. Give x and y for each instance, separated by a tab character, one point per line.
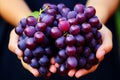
35	14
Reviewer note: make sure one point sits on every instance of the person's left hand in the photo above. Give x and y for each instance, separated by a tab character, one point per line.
105	47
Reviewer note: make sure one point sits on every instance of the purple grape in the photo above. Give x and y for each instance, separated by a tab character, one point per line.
64	26
81	18
99	26
48	19
58	16
79	49
70	50
71	62
79	8
60	7
71	14
92	43
73	21
92	59
98	35
89	36
19	30
82	62
63	70
62	54
70	39
51	12
22	44
58	60
34	63
26	59
55	32
89	11
30	31
23	22
43	70
28	53
30	43
59	42
94	31
74	29
41	26
39	37
62	19
88	66
86	27
49	51
44	61
47	31
31	21
96	48
38	52
94	21
80	40
65	11
86	52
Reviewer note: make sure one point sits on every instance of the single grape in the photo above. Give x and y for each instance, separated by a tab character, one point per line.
62	54
71	62
43	70
28	53
89	36
19	29
86	52
62	70
79	8
70	50
30	31
60	42
82	62
23	22
70	39
39	37
52	12
86	27
55	32
60	6
81	18
64	26
79	49
65	11
48	19
92	59
74	29
49	51
38	52
27	59
71	14
30	43
58	60
22	44
94	21
44	61
41	26
89	11
31	21
34	63
92	43
73	21
80	40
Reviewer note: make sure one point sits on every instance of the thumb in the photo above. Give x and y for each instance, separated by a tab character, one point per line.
106	43
13	43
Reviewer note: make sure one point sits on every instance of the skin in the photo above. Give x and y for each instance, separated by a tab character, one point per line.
103	10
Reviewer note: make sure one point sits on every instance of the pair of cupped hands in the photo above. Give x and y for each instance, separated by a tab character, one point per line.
105	47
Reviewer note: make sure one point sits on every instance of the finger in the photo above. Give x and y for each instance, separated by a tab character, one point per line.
30	69
71	73
53	69
13	43
57	65
83	72
106	43
52	61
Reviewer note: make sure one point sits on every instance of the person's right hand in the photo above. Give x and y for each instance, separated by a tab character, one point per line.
14	48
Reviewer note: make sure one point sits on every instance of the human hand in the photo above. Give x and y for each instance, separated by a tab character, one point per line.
105	47
14	48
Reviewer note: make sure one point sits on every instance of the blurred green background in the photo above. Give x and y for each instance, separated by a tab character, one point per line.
117	18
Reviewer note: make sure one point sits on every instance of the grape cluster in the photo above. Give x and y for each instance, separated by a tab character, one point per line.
72	37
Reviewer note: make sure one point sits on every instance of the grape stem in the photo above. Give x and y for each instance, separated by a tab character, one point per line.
41	11
65	34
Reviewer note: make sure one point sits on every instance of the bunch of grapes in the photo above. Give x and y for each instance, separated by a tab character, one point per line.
72	37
